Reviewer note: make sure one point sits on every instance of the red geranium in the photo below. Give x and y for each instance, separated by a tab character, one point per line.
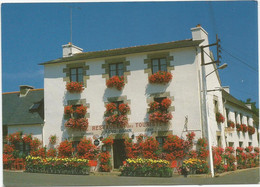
108	141
86	149
229	150
8	149
123	108
161	77
256	149
219	117
105	164
51	152
249	149
166	103
81	111
120	120
244	128
65	149
116	81
202	142
231	124
80	124
251	130
162	117
15	137
27	138
68	110
110	108
239	149
35	143
149	148
239	127
74	87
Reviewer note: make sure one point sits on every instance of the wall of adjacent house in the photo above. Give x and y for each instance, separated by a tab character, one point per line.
35	130
183	89
235	136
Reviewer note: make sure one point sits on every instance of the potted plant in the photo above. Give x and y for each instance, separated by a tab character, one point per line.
116	82
160	77
74	87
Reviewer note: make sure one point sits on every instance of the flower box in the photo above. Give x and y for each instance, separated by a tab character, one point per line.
160	117
79	124
74	87
251	130
161	77
117	120
219	117
116	82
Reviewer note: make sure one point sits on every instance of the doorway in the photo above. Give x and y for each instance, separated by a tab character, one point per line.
119	152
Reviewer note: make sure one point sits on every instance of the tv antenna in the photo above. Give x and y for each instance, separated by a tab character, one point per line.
71	8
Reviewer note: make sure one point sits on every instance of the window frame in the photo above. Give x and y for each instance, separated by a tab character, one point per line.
159	64
116	69
77	74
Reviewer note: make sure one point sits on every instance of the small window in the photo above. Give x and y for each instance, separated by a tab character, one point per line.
216	105
161	140
76	74
227	114
236	117
249	143
240	144
116	69
247	119
231	144
241	118
159	64
34	107
219	141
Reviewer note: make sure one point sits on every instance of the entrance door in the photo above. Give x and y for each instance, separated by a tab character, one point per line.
119	152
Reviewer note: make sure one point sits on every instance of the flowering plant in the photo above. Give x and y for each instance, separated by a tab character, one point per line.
39	152
105	164
80	124
117	120
163	106
251	130
51	152
110	109
35	143
244	128
202	142
27	138
15	137
146	167
193	154
81	111
68	110
256	149
8	149
74	87
52	139
174	147
158	116
161	77
108	141
149	148
65	149
239	127
116	81
219	117
123	108
249	149
194	166
229	150
231	124
239	149
86	149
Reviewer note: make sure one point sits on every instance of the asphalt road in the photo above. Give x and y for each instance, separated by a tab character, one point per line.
32	179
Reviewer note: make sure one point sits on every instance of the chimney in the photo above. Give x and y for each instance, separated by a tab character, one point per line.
24	89
226	88
70	49
249	106
198	33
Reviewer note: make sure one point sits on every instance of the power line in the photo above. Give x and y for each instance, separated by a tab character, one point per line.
251	67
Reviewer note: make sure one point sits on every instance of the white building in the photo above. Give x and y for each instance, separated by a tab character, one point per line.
181	58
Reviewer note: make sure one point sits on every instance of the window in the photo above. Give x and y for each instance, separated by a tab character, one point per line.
219	141
227	114
34	107
216	105
236	117
116	69
159	64
249	143
231	144
76	74
240	144
161	140
159	99
241	118
247	119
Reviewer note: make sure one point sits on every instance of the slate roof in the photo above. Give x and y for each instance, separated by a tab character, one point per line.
16	109
127	50
235	101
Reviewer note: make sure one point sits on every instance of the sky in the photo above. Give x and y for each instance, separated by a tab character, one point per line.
33	33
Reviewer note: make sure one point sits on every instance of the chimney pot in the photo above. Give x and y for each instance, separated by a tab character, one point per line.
24	89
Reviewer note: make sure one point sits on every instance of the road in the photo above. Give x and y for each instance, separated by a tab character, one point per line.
34	179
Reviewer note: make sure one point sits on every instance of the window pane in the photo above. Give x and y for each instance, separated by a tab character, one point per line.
162	61
163	67
112	67
80	70
73	78
73	71
112	73
80	78
120	66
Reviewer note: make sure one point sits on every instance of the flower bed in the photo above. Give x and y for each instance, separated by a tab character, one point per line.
74	87
72	166
194	166
105	163
161	77
146	168
116	82
219	117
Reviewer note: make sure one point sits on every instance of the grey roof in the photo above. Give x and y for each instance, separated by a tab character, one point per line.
127	50
235	101
18	110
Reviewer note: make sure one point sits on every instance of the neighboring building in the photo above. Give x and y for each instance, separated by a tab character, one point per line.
24	111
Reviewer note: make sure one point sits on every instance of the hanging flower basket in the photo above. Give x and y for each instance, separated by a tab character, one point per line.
123	108
239	127
116	82
161	77
79	124
74	87
231	124
244	128
251	130
219	117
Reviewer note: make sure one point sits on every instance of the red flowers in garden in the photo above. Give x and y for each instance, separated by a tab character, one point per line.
74	87
27	138
161	77
108	141
65	149
219	117
87	150
116	82
104	159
